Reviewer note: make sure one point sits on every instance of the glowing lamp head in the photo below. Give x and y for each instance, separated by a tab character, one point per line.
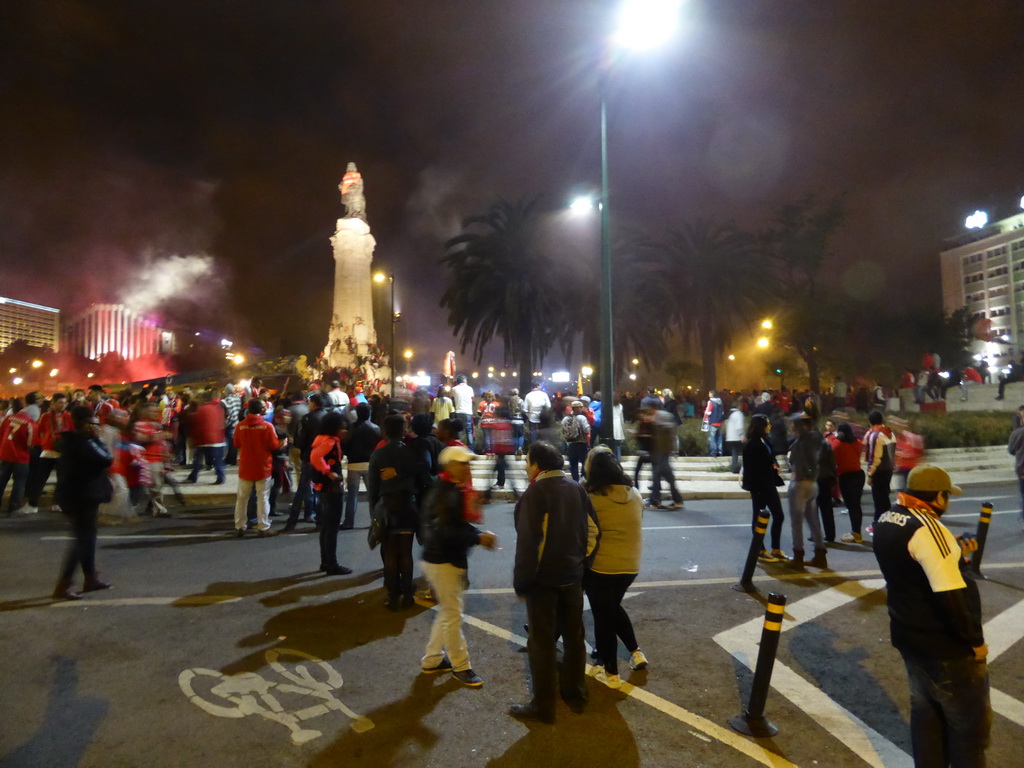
53	372
238	359
646	24
586	370
766	324
976	220
17	380
407	354
37	363
581	205
635	361
379	277
732	357
763	342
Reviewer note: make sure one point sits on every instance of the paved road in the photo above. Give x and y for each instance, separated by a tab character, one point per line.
206	651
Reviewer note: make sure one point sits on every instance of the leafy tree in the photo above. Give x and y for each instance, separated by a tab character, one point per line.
681	370
795	248
710	270
499	287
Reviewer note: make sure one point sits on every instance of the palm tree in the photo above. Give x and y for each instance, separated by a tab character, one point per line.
637	289
710	270
499	288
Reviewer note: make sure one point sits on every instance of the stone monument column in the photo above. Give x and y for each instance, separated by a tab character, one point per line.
352	341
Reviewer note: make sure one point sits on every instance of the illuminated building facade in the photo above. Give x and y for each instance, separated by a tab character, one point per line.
983	270
106	328
32	323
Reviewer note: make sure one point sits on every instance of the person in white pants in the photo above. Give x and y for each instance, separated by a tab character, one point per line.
447	539
256	441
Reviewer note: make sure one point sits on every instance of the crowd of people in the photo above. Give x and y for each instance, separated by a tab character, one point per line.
577	533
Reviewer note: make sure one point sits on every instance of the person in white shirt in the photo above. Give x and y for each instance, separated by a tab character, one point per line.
463	396
337	398
536	400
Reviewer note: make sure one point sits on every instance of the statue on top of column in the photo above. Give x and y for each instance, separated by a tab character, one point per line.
351	188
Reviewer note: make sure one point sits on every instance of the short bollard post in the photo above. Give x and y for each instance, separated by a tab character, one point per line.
983	522
746	583
753	722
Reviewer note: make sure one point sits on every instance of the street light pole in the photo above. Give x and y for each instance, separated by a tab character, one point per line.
391	351
607	361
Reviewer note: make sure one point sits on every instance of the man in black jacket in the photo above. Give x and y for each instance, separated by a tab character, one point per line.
82	485
447	539
935	622
360	441
309	428
551	547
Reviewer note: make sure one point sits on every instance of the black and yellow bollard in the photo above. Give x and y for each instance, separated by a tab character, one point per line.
983	522
753	722
746	583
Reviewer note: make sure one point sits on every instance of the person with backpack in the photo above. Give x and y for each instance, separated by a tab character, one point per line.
325	459
714	416
576	433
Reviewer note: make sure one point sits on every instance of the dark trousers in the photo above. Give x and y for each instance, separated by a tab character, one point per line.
641	459
331	503
396	555
880	482
611	622
500	468
950	714
212	453
552	611
81	551
577	454
735	450
828	519
19	473
37	482
661	468
304	494
851	485
232	452
769	499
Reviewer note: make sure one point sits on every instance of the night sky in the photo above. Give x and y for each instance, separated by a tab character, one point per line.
131	131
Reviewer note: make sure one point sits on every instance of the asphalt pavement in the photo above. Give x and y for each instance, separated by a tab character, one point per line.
223	652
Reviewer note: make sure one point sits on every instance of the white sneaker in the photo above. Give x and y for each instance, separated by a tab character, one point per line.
637	660
27	510
55	508
612	681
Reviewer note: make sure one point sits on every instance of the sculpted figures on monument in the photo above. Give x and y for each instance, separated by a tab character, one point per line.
351	188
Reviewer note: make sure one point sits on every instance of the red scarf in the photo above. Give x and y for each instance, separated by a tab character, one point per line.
471	508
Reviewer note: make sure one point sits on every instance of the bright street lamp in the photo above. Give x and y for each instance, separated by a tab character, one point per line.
646	24
766	324
37	363
581	205
643	24
763	342
587	371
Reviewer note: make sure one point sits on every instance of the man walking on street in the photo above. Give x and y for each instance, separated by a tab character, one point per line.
206	430
462	396
551	521
935	623
878	455
256	441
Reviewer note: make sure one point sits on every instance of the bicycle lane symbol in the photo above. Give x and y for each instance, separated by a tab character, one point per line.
251	694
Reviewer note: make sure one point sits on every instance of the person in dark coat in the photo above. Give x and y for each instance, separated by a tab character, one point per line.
761	478
394	480
447	538
82	485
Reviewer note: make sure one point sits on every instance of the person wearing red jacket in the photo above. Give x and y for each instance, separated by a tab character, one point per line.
325	458
256	441
17	436
52	423
206	431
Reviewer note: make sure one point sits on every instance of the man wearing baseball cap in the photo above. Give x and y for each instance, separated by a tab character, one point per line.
447	538
935	622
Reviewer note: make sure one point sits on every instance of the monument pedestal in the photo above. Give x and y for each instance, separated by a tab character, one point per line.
351	341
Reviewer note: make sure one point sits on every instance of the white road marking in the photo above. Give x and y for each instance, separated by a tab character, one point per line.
118	602
249	693
1004	630
742	643
1007	706
718	733
226	535
586	600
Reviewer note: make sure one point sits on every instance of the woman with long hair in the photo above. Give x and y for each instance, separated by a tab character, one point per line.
619	508
848	450
761	478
